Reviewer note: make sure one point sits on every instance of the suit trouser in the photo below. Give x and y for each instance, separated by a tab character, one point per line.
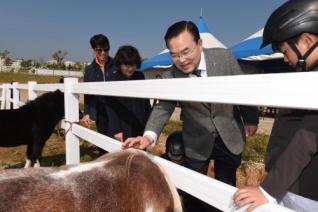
225	165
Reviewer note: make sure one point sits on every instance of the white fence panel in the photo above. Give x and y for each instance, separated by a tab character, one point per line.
8	96
59	72
16	96
71	116
292	90
31	92
3	96
49	87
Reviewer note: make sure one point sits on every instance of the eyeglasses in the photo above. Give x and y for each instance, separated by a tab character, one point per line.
183	54
100	50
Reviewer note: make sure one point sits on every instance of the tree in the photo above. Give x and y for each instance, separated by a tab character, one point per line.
59	57
26	64
78	66
4	54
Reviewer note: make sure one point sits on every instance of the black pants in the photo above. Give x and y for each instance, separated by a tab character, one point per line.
102	128
225	165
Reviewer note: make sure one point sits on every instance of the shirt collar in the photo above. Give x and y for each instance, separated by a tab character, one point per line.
202	66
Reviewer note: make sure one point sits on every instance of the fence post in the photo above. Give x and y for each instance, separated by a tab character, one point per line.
16	95
3	96
8	96
32	94
72	148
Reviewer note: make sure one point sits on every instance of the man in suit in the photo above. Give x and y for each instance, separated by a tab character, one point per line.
210	131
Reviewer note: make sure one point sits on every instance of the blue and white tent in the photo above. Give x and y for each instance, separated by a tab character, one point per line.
163	59
249	49
255	60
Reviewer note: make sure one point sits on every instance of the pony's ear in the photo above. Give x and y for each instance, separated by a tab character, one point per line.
58	94
58	91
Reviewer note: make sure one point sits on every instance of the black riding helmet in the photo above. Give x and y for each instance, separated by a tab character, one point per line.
175	147
290	20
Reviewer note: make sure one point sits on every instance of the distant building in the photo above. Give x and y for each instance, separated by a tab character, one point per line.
16	65
69	63
7	65
51	62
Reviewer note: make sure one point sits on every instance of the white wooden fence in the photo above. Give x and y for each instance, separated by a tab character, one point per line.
292	90
65	73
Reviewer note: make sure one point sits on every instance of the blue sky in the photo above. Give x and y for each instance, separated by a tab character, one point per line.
34	29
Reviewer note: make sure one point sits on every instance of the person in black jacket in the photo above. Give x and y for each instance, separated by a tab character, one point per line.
102	68
292	153
129	115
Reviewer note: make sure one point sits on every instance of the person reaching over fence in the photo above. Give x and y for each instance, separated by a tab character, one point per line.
210	131
128	116
292	154
101	69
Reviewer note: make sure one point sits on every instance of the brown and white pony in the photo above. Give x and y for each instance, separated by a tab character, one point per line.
122	181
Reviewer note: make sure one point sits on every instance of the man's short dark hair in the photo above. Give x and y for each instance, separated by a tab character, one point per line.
99	41
179	27
127	55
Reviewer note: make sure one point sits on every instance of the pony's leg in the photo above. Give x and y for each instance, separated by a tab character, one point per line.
37	164
34	153
37	152
27	163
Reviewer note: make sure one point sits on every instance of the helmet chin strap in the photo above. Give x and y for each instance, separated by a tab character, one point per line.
301	64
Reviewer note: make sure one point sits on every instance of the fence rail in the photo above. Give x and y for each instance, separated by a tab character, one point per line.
292	90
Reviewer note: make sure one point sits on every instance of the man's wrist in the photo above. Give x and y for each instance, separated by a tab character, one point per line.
152	136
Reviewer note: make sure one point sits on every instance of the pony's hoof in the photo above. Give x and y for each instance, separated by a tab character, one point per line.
37	164
27	163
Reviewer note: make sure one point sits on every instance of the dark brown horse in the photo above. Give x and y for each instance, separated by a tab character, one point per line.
122	181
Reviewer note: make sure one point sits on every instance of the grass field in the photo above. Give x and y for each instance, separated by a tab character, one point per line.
8	77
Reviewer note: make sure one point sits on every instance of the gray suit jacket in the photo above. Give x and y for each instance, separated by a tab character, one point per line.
201	121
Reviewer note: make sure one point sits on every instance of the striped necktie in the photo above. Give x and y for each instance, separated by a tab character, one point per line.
197	73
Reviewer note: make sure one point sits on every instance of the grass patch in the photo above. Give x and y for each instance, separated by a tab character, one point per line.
8	77
255	148
172	126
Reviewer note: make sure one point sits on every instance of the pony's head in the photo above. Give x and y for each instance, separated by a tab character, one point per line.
55	102
50	103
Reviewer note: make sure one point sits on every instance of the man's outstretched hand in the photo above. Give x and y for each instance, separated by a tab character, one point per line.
140	142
